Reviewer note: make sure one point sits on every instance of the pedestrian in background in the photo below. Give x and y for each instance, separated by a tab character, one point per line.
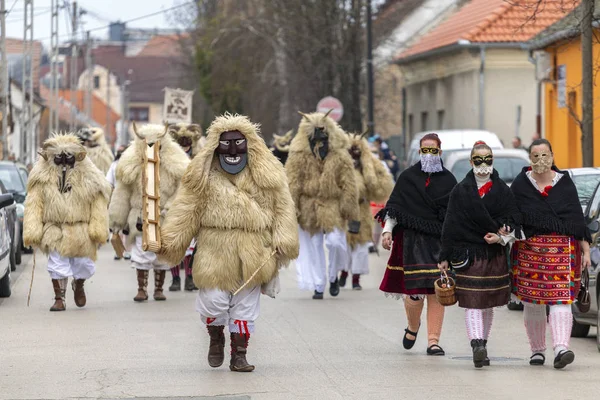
413	217
481	220
547	265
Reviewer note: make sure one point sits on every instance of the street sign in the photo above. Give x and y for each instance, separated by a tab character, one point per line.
327	103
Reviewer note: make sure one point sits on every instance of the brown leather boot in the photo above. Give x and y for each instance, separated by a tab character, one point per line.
142	278
216	349
239	345
77	285
159	281
60	287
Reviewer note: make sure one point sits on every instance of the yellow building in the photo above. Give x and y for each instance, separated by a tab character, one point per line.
558	58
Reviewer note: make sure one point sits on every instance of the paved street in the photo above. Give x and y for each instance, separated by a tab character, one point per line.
346	347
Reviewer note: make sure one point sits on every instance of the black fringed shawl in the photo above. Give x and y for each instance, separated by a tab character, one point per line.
470	218
557	212
419	200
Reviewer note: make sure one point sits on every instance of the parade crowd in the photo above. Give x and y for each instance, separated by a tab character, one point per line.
233	212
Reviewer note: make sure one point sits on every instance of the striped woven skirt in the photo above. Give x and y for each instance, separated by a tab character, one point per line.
547	269
412	267
484	284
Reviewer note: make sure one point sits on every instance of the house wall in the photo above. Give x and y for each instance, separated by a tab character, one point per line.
561	128
509	83
155	112
447	89
103	79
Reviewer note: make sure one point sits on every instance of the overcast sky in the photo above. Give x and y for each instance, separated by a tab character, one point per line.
102	12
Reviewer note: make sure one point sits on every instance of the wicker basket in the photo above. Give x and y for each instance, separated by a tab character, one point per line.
444	290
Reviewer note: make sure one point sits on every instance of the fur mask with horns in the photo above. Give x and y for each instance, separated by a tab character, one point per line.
150	134
319	135
356	148
91	136
186	135
62	152
282	143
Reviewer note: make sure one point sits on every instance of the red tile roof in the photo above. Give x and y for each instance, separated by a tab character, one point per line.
162	46
493	21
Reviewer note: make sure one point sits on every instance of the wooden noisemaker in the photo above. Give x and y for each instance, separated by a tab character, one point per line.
151	198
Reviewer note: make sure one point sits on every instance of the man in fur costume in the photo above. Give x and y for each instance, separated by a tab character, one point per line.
188	137
97	149
125	209
375	184
235	200
281	146
65	214
321	177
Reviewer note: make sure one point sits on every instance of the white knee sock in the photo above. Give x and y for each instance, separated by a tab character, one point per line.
475	324
535	325
488	318
561	323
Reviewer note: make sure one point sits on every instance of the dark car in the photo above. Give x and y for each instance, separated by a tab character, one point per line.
14	176
6	200
583	321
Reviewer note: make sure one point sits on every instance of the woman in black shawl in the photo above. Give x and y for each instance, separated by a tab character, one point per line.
413	218
481	215
547	265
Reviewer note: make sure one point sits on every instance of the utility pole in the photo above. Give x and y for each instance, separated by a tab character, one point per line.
587	107
54	84
27	123
4	82
107	127
371	122
90	76
73	67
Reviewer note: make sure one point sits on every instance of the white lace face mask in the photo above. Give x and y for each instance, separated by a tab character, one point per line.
541	162
483	170
431	163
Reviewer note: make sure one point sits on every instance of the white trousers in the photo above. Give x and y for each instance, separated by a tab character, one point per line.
358	260
311	265
64	267
217	307
145	260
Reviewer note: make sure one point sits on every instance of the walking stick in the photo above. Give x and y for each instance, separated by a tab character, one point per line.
254	274
31	283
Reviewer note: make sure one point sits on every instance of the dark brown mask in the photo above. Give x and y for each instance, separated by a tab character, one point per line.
232	151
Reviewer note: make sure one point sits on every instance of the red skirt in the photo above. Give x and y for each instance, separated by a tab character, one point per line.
412	267
547	269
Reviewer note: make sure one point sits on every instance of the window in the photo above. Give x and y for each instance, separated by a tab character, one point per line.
24	175
96	82
11	179
141	114
440	119
410	124
424	121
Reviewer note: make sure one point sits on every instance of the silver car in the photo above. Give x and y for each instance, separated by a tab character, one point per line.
6	200
508	162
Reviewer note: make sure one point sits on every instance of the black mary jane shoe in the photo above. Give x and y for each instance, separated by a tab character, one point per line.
409	343
334	288
537	359
318	295
435	350
563	359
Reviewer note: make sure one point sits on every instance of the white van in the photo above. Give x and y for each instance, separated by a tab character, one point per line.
454	140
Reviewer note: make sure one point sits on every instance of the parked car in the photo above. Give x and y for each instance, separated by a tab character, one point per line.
454	140
586	180
508	163
13	228
6	200
14	176
583	321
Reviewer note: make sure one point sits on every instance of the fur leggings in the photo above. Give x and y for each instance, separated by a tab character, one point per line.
479	323
435	316
561	323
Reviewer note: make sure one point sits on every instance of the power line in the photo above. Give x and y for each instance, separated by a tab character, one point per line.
133	19
13	6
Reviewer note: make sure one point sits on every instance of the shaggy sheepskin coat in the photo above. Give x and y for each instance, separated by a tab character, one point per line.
237	220
374	183
324	191
192	131
126	202
100	155
73	223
